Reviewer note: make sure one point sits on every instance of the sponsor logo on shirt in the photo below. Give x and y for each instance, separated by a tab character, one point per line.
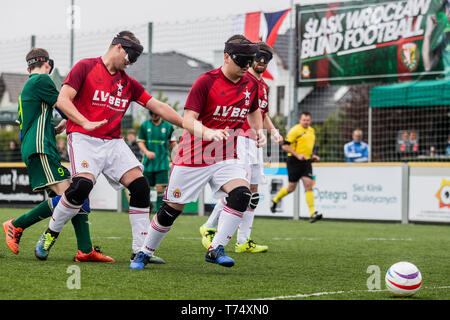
105	99
233	112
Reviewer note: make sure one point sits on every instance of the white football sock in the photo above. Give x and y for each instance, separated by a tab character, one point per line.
62	213
154	237
213	219
229	221
140	224
245	228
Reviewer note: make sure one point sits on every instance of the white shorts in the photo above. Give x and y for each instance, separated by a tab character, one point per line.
186	183
252	158
93	155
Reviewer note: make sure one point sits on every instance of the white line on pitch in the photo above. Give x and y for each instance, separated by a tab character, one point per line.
316	294
389	239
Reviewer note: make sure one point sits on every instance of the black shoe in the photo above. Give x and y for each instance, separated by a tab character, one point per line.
273	208
153	259
316	216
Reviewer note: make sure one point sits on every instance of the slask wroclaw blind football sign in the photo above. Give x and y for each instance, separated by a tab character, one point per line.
371	41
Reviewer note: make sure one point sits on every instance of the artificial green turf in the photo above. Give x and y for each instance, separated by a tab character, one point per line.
327	258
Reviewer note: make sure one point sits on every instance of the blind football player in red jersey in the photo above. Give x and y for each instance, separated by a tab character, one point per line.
216	108
252	157
98	91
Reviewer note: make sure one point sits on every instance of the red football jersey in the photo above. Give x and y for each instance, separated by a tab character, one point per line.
102	95
220	104
263	101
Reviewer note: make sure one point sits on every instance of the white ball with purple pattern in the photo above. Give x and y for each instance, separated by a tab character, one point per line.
403	279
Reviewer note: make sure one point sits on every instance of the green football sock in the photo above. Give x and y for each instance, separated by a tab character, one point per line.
81	226
159	200
40	212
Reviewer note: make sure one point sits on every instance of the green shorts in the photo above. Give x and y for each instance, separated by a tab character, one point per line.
44	170
157	177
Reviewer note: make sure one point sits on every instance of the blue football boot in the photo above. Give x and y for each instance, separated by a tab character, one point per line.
140	261
218	256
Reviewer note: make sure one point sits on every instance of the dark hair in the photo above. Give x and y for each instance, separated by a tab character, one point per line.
35	53
305	113
238	38
264	47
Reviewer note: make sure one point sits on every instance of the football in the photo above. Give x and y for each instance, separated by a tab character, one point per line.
403	279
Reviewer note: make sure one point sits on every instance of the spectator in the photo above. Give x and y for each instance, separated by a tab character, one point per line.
356	150
413	141
132	143
403	142
13	154
62	149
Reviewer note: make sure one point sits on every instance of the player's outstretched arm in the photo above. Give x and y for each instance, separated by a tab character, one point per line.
66	95
165	111
196	128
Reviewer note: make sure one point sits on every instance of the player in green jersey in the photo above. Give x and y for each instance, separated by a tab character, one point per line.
155	139
41	156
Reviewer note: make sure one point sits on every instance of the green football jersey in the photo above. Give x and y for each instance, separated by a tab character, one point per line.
36	102
156	139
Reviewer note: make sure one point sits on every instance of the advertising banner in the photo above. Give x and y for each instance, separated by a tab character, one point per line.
356	192
429	194
15	187
372	41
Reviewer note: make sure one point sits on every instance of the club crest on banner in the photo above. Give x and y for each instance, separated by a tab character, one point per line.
409	55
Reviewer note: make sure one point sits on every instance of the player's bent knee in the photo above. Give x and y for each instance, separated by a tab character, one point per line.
239	198
166	215
79	190
139	193
254	200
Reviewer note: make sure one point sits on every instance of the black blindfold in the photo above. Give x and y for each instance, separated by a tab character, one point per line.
133	49
242	54
32	61
266	56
